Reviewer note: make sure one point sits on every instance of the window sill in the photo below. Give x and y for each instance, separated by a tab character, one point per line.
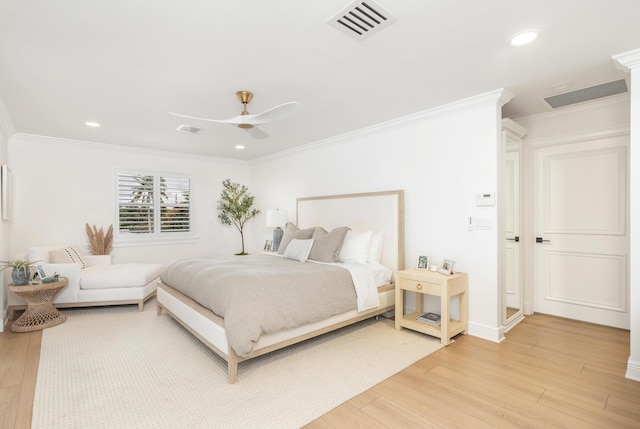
131	242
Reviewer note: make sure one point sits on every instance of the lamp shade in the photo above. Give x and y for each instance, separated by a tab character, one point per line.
276	218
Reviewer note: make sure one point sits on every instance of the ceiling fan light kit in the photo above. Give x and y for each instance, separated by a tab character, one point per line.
248	122
245	97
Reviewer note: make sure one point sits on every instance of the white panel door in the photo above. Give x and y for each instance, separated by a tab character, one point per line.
580	215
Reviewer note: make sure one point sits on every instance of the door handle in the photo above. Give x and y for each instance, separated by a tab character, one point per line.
541	240
516	239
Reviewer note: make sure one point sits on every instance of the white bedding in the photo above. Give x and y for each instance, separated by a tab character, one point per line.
364	283
366	280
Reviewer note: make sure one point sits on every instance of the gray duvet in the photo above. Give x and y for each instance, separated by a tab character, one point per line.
262	294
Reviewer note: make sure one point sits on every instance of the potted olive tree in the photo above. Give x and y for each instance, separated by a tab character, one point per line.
22	271
235	207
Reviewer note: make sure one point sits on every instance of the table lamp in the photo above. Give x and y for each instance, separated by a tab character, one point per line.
277	219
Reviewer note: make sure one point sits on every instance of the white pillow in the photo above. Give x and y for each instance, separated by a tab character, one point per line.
298	250
41	253
68	255
375	250
355	247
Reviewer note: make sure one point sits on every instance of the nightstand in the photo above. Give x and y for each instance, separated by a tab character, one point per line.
432	283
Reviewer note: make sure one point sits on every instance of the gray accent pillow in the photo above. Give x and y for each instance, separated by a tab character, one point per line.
326	245
291	231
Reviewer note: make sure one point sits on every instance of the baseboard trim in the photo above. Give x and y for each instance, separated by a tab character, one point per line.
633	370
491	333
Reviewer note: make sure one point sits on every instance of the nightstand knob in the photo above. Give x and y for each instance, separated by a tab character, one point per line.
419	286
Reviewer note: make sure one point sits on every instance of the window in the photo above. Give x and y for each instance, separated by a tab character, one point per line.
152	205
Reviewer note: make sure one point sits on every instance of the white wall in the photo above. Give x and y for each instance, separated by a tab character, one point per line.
6	129
630	62
633	366
441	159
59	185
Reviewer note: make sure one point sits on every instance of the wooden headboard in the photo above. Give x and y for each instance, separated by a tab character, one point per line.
376	211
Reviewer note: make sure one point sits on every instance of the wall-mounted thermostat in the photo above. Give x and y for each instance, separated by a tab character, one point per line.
485	200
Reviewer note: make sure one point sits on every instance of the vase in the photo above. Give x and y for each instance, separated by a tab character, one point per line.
21	276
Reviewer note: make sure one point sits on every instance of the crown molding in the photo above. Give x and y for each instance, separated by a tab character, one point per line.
608	103
497	97
514	127
121	148
627	60
580	136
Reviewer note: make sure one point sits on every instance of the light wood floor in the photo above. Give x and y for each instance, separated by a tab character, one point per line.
19	358
549	372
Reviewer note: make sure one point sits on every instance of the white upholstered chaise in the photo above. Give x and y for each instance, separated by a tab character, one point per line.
98	283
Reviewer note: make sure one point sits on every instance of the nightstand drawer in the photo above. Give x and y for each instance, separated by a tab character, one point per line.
420	286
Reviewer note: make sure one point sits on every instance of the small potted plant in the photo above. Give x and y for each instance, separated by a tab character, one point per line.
22	271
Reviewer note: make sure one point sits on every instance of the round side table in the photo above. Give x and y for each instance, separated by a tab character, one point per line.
40	312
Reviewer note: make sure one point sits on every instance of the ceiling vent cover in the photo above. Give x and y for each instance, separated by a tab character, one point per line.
586	94
188	129
361	19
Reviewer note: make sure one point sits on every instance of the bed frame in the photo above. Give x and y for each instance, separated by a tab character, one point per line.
377	211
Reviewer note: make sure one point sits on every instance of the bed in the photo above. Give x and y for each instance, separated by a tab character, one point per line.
378	212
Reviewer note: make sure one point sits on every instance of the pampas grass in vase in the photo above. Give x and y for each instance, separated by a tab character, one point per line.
99	242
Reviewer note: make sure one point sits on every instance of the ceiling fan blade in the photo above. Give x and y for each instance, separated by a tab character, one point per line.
254	131
222	121
236	120
275	114
257	133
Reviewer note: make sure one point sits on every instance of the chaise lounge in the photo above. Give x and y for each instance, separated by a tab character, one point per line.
93	279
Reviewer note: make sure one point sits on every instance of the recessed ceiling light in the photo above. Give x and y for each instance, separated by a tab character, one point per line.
239	147
524	38
92	124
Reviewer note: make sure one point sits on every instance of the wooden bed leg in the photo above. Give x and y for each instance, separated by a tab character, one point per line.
141	305
158	309
232	366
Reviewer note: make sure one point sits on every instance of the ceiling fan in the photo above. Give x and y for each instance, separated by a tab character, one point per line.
247	121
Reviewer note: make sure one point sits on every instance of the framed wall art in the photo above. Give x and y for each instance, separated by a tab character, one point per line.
7	192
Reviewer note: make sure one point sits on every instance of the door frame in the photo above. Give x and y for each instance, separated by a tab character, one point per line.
517	132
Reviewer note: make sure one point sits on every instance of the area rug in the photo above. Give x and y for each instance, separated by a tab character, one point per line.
115	367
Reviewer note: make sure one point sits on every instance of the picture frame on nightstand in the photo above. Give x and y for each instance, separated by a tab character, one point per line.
447	267
268	245
423	262
41	272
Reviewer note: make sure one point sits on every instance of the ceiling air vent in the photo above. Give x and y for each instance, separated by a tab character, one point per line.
586	94
188	129
361	19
